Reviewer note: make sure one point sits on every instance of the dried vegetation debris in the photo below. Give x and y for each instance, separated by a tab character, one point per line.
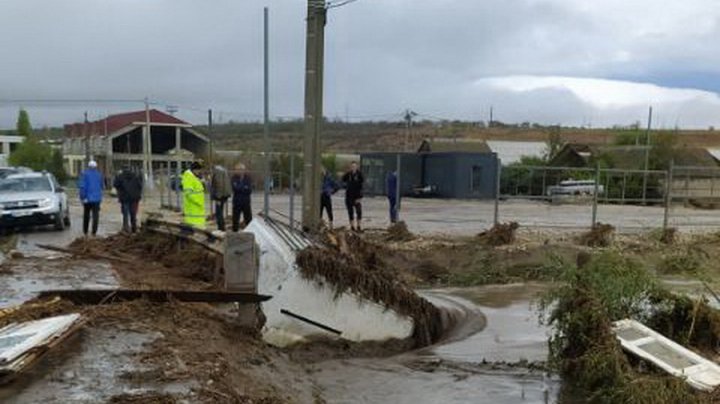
355	265
152	260
399	232
499	234
585	351
601	235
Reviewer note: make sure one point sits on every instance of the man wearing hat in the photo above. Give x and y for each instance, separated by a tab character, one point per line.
90	187
193	196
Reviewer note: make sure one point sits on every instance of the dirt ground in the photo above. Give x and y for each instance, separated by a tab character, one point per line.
180	352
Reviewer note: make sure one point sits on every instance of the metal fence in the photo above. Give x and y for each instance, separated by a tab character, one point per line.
680	197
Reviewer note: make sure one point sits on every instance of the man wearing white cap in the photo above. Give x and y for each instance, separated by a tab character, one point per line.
90	185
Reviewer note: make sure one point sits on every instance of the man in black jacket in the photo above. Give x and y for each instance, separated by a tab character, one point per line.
129	188
354	180
242	191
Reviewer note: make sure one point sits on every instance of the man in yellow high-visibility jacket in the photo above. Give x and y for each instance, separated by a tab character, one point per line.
193	197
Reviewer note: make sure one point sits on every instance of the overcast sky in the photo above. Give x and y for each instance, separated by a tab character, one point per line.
574	62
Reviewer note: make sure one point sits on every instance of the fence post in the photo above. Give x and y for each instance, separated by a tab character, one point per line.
292	191
498	173
595	195
668	194
176	184
397	185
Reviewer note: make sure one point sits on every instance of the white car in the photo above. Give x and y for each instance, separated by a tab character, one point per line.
575	187
33	199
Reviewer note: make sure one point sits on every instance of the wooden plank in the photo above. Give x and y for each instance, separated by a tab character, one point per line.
100	296
668	355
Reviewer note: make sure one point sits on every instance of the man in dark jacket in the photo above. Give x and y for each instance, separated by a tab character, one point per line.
242	190
220	192
391	191
329	187
90	187
353	181
129	188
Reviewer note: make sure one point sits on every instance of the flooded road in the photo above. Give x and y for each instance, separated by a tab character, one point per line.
490	358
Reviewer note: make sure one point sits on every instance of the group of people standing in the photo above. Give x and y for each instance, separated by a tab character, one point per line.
223	186
354	180
129	187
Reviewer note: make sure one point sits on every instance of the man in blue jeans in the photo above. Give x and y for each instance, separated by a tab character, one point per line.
129	186
90	187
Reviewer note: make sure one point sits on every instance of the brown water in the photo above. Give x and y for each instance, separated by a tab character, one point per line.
497	324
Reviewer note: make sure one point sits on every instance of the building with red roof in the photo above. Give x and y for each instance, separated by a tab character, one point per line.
148	141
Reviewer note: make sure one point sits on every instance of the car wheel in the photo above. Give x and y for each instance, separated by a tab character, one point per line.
66	220
59	223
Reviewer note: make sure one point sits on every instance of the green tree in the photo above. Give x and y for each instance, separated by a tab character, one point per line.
555	143
32	153
57	166
23	124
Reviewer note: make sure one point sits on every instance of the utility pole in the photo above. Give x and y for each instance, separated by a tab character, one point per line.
490	124
314	61
266	131
408	128
647	153
211	153
87	139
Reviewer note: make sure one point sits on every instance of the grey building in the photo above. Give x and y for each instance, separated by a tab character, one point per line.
434	174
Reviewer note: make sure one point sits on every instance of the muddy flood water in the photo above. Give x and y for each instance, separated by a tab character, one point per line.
488	358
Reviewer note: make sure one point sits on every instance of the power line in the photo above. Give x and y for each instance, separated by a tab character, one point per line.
336	4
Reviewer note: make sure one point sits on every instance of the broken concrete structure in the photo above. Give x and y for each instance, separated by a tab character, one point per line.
302	309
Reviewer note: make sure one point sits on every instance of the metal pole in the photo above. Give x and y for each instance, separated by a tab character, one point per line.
148	145
167	185
292	191
398	168
266	132
623	187
314	62
647	155
498	172
668	194
595	195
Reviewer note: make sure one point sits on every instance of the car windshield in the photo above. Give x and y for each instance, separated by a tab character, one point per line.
33	184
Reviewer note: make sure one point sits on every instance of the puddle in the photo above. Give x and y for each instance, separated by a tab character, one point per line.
29	276
87	369
512	332
497	324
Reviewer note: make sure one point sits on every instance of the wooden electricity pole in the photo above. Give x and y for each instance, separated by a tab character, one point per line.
314	60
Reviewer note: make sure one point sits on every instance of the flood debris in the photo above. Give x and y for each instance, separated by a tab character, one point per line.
152	261
669	236
101	296
499	234
399	232
585	351
355	266
666	354
600	235
23	344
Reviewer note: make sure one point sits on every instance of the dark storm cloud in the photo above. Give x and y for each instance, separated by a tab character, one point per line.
382	55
